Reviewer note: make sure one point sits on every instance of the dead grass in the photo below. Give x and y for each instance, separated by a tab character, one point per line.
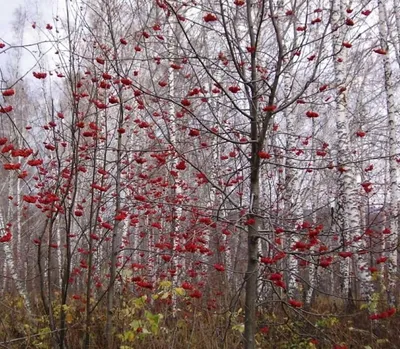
193	327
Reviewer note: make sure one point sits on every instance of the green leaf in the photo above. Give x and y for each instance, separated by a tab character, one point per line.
153	320
180	291
165	284
129	336
239	327
135	324
165	295
140	302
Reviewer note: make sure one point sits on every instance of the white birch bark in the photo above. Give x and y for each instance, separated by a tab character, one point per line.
292	187
10	262
5	272
343	142
293	210
313	266
396	11
348	216
59	252
18	230
177	210
393	188
19	284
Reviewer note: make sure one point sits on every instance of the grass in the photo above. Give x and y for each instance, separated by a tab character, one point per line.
150	322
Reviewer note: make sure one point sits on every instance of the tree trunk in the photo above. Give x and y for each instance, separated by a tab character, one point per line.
10	260
393	187
252	264
348	215
253	229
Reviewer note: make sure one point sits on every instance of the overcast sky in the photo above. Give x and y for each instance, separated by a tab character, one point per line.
6	14
39	11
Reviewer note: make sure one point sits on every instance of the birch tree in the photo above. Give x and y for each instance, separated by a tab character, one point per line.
168	134
347	213
392	241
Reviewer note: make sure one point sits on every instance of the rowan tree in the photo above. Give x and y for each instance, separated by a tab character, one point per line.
203	157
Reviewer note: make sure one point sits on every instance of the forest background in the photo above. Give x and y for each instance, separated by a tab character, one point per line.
204	174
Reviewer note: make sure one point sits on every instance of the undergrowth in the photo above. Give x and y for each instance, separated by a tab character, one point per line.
149	321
